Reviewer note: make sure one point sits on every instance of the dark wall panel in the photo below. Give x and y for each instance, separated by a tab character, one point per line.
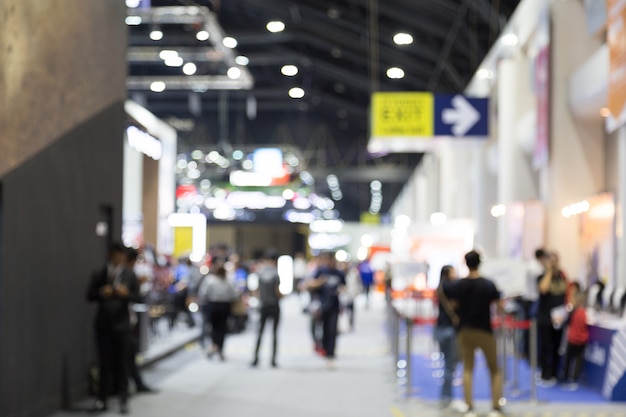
52	204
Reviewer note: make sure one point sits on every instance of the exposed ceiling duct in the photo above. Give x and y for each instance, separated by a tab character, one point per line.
203	19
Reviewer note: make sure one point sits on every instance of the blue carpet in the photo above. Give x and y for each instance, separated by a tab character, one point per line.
427	375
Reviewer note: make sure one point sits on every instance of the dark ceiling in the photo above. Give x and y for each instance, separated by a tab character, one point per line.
343	52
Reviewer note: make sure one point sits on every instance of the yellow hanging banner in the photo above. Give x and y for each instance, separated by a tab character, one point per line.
183	241
409	114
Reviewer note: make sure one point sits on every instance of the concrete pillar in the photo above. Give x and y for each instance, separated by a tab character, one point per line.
576	168
507	117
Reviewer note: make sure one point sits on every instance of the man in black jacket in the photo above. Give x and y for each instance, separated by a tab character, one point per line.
113	287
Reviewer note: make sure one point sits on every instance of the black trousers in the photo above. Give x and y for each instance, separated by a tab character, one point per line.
273	313
573	355
329	336
113	352
133	369
549	343
218	316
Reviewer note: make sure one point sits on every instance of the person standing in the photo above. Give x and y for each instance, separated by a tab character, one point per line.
135	375
354	287
269	297
219	295
113	287
445	331
330	282
577	339
552	286
179	290
367	278
473	297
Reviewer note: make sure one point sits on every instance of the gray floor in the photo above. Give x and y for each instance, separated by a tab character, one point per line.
362	384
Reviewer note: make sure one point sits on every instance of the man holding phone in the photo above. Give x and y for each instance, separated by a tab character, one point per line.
113	287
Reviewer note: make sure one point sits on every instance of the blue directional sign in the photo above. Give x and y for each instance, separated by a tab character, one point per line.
414	121
460	116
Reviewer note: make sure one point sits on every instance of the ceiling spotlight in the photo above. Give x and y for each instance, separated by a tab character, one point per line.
157	86
289	70
189	68
275	26
296	92
484	74
395	73
229	42
242	60
202	35
510	39
156	34
167	54
133	20
402	39
233	73
133	3
174	61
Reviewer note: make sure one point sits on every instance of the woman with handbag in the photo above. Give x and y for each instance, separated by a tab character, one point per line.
445	332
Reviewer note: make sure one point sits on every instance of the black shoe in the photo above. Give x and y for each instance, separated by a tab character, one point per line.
254	363
123	408
274	364
100	406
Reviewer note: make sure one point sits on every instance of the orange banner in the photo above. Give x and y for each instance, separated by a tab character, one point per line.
616	40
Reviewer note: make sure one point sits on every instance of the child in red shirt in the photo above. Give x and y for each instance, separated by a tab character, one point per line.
577	338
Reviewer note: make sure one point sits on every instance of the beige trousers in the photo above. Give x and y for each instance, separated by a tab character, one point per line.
469	341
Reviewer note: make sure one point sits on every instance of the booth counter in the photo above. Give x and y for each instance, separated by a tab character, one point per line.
605	357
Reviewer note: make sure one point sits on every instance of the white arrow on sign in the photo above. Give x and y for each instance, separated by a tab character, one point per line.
463	116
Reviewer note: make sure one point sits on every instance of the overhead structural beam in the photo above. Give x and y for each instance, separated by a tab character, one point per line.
193	54
321	31
390	174
447	46
197	83
488	14
195	15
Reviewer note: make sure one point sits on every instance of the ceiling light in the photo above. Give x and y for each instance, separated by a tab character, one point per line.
233	73
402	39
402	221
296	92
229	42
189	68
375	185
175	61
438	218
242	60
156	34
289	70
157	86
133	20
275	26
484	74
133	3
510	39
167	54
395	73
498	210
202	35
